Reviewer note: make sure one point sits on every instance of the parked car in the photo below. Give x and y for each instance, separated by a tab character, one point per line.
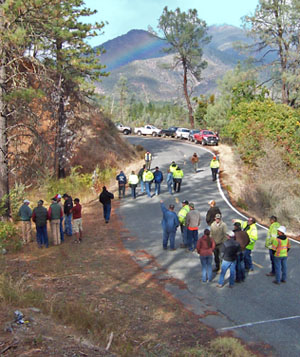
123	129
182	133
169	132
147	130
192	133
206	137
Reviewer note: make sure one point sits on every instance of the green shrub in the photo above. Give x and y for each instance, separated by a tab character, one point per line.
16	196
9	237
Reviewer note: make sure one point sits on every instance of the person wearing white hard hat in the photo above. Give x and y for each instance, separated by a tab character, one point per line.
280	246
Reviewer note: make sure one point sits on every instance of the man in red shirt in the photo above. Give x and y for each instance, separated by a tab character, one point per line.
77	221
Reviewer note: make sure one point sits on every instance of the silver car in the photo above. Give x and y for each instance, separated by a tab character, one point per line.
182	133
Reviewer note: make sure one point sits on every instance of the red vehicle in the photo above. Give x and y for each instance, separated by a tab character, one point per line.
206	137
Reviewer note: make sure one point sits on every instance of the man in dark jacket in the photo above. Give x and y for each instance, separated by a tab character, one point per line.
229	253
158	179
169	224
211	213
243	239
39	216
25	213
68	205
105	198
122	180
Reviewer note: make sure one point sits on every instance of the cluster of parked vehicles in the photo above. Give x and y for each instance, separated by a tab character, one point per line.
198	136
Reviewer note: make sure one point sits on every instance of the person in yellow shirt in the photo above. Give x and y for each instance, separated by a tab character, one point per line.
214	165
177	178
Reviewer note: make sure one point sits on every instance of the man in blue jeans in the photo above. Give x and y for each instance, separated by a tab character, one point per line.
229	252
193	220
105	198
68	205
158	179
169	224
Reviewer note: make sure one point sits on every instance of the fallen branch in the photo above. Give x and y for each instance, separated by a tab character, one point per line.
110	341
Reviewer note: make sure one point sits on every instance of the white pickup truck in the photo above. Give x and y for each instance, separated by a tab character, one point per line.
147	130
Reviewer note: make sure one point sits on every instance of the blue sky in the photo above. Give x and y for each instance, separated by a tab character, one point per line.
126	15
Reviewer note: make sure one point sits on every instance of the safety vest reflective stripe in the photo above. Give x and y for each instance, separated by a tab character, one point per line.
281	247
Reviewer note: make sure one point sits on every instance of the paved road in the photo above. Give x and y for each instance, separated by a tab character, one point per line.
271	312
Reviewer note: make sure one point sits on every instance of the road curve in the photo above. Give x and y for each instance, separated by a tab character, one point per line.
256	310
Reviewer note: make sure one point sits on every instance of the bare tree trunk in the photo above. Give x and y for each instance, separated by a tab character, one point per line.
4	183
187	98
61	136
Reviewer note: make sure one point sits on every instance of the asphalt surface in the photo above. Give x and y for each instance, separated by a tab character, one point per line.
256	310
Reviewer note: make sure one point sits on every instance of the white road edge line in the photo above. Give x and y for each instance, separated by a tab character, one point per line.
233	208
257	323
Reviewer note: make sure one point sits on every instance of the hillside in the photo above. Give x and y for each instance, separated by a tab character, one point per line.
138	55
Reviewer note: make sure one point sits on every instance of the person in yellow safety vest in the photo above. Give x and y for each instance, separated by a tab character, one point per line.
249	226
214	165
182	220
271	234
177	177
133	182
173	167
148	159
148	178
280	246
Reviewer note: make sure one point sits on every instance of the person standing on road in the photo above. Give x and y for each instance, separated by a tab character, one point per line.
193	220
40	216
105	198
211	213
122	180
218	230
250	228
25	213
55	212
229	251
148	159
214	165
195	160
148	178
133	181
169	223
77	221
140	175
185	209
272	234
177	177
68	205
242	238
170	182
158	179
205	248
280	245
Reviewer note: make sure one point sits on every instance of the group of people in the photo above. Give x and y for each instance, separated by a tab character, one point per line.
65	219
232	250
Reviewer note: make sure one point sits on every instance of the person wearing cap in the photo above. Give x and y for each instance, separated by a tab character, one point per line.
133	181
158	179
39	217
169	224
218	230
122	180
250	228
61	228
229	251
195	160
105	198
148	159
271	234
140	176
68	205
243	239
280	246
193	221
170	182
211	213
25	214
182	220
205	248
214	165
55	212
177	177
